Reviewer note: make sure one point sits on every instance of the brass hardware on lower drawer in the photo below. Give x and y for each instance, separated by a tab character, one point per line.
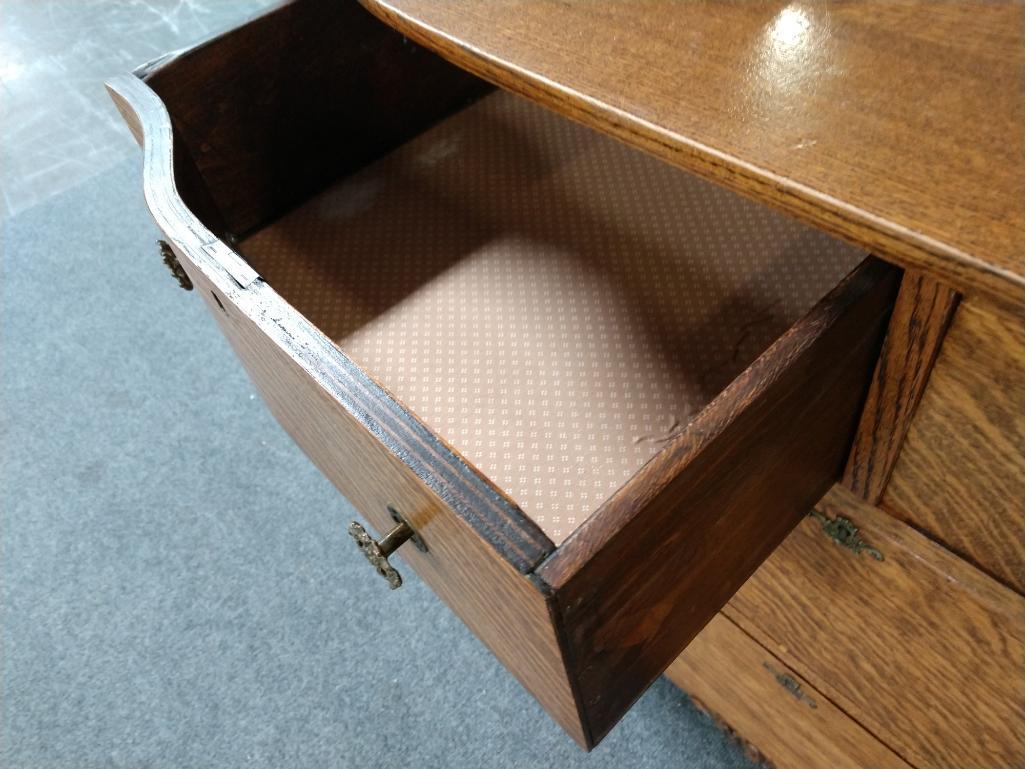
377	552
791	684
843	531
174	265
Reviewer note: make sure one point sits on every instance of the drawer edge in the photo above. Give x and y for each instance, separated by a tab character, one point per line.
485	508
633	588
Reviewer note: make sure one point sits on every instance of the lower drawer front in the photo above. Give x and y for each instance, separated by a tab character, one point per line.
488	594
913	643
769	706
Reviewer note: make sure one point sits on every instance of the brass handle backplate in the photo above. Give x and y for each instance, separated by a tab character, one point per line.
845	533
377	552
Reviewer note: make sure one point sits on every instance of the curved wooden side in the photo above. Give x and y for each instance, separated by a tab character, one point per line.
484	507
479	548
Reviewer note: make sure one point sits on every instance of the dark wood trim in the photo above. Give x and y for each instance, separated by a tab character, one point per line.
273	111
919	323
493	515
644	573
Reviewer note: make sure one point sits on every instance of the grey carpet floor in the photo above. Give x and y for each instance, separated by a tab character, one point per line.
177	586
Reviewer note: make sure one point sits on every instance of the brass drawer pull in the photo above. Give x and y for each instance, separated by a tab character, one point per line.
177	271
377	552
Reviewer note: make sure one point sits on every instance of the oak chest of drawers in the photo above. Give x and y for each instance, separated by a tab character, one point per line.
589	393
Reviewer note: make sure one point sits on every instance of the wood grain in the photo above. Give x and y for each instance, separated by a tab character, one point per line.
860	118
337	419
274	110
788	417
641	577
923	650
920	318
487	509
961	475
502	607
768	705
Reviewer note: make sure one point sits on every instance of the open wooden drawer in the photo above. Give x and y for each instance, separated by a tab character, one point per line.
599	390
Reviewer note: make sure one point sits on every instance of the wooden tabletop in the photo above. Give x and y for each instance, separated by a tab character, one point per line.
896	126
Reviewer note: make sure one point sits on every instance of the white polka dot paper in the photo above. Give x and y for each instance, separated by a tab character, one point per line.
553	304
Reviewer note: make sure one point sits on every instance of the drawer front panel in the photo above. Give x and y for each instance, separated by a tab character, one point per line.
770	706
501	606
921	648
961	473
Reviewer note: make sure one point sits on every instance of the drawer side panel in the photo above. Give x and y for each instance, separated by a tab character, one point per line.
501	606
480	573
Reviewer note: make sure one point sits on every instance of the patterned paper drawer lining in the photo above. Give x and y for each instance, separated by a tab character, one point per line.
551	302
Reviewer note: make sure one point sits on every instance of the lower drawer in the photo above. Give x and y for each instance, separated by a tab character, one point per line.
915	646
770	707
599	391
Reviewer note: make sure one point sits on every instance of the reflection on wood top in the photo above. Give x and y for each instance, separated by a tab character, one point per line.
897	126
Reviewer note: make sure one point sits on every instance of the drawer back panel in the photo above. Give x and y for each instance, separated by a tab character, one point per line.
273	111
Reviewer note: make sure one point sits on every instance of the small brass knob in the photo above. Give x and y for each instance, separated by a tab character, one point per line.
377	552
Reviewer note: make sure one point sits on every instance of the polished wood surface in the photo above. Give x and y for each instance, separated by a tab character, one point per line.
274	110
770	707
961	475
897	126
304	381
641	577
920	648
919	322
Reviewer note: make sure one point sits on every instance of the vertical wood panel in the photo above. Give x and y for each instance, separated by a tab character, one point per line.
961	475
917	326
